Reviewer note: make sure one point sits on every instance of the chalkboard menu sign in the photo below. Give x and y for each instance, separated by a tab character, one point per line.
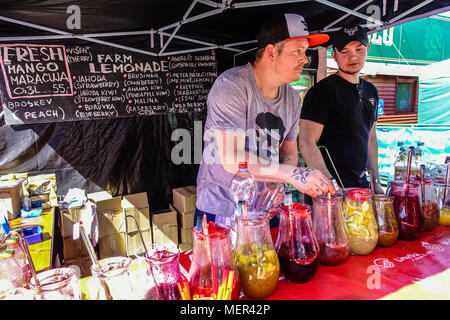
52	83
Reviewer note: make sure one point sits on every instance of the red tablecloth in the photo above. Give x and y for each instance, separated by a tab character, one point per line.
402	264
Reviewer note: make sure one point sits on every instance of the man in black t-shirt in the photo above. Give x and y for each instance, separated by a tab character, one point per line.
340	113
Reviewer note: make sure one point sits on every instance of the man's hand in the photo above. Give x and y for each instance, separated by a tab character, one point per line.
310	181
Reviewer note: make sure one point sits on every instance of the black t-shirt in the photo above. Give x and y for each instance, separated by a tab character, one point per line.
347	111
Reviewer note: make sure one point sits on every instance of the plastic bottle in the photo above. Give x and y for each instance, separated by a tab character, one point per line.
244	190
244	186
400	161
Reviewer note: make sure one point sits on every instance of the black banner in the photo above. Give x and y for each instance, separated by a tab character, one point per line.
53	83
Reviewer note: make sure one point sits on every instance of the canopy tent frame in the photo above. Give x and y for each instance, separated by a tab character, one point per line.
219	7
328	27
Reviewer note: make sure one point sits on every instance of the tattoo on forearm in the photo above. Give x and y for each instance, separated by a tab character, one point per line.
301	174
284	159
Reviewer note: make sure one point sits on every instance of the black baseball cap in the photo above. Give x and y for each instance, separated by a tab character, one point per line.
346	35
287	26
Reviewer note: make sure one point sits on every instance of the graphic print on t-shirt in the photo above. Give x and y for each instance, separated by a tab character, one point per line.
270	131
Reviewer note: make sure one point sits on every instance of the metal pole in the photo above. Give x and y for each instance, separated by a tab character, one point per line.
346	15
178	26
352	12
263	3
409	11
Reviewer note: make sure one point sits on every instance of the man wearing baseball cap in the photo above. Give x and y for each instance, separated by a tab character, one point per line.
340	113
253	116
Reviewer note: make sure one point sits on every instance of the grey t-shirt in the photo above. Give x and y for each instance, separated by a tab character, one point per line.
236	103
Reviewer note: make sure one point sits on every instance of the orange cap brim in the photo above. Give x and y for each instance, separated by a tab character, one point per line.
314	39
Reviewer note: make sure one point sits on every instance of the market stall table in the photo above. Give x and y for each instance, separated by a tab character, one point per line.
408	267
408	270
41	252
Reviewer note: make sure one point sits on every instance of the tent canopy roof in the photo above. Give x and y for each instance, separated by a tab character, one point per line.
191	24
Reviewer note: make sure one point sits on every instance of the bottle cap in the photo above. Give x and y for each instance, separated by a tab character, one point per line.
243	165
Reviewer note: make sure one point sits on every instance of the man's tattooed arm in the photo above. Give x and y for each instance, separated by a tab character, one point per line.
284	159
301	174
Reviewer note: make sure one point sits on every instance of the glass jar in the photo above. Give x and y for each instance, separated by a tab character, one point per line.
387	223
56	284
13	243
407	209
11	275
297	246
162	271
443	204
114	279
255	256
359	217
330	230
430	208
212	274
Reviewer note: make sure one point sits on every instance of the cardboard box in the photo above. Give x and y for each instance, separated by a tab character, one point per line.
83	264
110	217
135	242
11	192
185	198
74	249
185	247
68	217
136	205
40	185
112	245
165	227
186	235
186	219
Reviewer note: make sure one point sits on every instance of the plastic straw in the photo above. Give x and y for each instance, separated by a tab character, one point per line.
93	257
223	285
447	179
408	168
337	173
5	238
183	287
208	250
288	202
146	252
229	285
422	181
30	261
330	229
